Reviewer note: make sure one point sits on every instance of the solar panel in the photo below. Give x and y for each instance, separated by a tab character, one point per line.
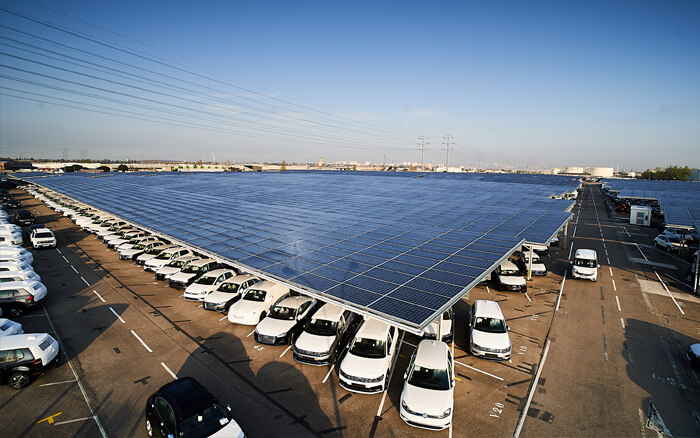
397	248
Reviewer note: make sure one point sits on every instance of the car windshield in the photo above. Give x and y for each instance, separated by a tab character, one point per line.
191	269
42	234
154	250
231	288
139	246
205	423
370	348
164	255
510	272
490	325
321	327
255	295
283	313
428	378
176	263
206	280
535	257
587	263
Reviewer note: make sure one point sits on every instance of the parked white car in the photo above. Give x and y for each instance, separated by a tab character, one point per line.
145	240
7	276
324	334
16	258
507	276
668	242
427	399
15	250
538	267
9	236
488	331
164	257
680	234
16	297
14	266
42	348
585	265
365	367
207	284
42	238
229	292
256	302
284	321
9	328
191	271
448	323
115	242
140	248
174	266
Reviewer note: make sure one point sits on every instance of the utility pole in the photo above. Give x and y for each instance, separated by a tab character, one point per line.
479	168
422	152
447	163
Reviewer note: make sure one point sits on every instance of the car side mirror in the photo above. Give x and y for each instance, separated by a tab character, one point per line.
453	383
228	407
405	375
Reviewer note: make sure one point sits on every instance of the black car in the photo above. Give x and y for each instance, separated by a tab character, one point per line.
24	217
13	203
185	408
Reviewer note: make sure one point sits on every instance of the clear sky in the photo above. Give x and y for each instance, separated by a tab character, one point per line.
532	84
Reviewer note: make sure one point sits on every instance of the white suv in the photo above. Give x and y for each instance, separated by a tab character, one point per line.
26	357
324	334
365	367
285	319
42	238
174	266
165	257
256	302
207	284
229	292
488	331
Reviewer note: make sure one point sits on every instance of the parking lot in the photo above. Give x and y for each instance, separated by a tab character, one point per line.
125	334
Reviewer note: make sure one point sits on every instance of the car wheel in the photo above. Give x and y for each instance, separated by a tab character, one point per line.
16	311
18	380
656	244
149	428
668	249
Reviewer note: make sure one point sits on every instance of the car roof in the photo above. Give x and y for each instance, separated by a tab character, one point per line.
373	329
21	341
329	312
186	396
265	285
217	272
508	265
488	309
431	354
240	278
201	262
174	248
294	301
586	254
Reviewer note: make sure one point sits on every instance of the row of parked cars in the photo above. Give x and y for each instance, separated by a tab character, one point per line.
320	333
23	357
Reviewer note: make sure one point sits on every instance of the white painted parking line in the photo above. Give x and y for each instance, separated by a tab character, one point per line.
561	289
617	300
622	321
141	341
478	370
286	350
64	258
528	297
173	375
487	289
58	423
248	335
200	305
614	287
610	267
223	317
525	410
574	233
74	270
669	293
59	383
408	343
571	248
117	315
58	251
608	259
328	374
640	250
84	280
99	296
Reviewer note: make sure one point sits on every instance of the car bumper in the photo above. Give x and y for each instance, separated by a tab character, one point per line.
271	340
311	360
363	388
514	287
425	422
38	245
477	352
215	307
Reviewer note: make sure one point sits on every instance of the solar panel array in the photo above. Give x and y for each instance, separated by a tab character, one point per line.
396	246
679	200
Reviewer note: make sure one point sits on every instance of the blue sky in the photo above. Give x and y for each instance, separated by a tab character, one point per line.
530	84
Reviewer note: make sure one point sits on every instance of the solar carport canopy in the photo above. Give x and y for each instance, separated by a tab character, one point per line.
402	247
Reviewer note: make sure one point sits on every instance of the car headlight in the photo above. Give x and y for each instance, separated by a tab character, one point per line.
446	413
404	405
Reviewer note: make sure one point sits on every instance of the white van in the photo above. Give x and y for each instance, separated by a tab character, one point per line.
256	302
365	367
585	265
488	331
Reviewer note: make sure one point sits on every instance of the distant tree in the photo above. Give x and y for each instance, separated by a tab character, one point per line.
667	174
284	166
105	168
354	167
73	168
122	168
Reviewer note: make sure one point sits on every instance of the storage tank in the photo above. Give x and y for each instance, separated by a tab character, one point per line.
574	169
602	172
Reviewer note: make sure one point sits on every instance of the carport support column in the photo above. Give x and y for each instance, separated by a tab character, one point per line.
439	330
529	264
566	232
695	283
